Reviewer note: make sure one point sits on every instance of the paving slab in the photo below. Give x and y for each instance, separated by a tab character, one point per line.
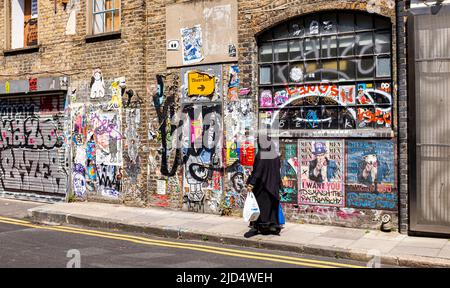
423	242
390	236
298	235
348	234
311	228
172	222
229	228
413	250
445	253
332	242
384	246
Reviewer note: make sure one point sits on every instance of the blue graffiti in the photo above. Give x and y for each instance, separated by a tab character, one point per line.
312	119
372	200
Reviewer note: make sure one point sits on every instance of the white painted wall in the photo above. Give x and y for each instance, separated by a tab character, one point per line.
17	23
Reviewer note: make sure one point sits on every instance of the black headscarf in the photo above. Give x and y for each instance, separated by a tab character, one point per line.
266	172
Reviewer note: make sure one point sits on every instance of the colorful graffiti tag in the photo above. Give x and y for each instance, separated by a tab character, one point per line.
370	175
289	172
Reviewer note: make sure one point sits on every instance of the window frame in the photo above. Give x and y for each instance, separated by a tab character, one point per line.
355	60
91	16
8	33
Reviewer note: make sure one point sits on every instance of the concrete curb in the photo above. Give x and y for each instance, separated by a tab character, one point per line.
56	218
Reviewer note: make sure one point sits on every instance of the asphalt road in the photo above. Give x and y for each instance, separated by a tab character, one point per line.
23	244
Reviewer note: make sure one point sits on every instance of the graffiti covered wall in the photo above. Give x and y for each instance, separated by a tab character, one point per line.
104	139
32	148
239	123
370	175
340	182
202	129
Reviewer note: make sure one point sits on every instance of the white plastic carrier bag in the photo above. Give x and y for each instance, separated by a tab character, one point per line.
251	208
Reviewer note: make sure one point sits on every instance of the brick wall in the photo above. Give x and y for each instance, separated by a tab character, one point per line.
140	54
403	117
73	56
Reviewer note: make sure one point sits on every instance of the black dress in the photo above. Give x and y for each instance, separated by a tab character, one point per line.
266	180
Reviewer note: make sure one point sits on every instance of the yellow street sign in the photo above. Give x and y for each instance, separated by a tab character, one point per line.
200	84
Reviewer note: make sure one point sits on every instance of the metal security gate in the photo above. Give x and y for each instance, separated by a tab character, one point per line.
429	92
32	154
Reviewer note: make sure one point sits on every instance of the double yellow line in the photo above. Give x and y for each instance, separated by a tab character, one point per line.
187	246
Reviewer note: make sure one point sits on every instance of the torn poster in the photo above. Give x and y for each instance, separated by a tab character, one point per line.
191	39
233	84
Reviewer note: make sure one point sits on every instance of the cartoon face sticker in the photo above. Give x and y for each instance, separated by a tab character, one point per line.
97	85
385	87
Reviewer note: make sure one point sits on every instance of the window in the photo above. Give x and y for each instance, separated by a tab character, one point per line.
105	16
327	71
24	23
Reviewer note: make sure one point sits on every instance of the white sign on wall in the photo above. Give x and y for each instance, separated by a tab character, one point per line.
161	187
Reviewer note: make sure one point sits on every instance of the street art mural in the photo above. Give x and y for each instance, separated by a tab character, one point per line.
329	106
109	180
337	182
97	137
289	172
107	127
236	193
191	138
239	123
302	79
203	168
370	175
321	172
239	120
165	106
32	146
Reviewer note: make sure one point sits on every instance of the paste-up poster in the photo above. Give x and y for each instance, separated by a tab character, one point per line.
370	175
191	42
233	84
289	172
321	172
196	130
107	128
347	94
109	180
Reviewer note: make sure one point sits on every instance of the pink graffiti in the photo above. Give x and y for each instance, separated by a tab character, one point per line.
328	213
107	126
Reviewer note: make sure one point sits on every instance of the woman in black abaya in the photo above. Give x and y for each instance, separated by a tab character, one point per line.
265	183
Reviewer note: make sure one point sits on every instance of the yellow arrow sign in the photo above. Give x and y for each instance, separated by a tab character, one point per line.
200	84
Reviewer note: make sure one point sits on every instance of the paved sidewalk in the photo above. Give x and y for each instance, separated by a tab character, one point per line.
16	208
395	248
